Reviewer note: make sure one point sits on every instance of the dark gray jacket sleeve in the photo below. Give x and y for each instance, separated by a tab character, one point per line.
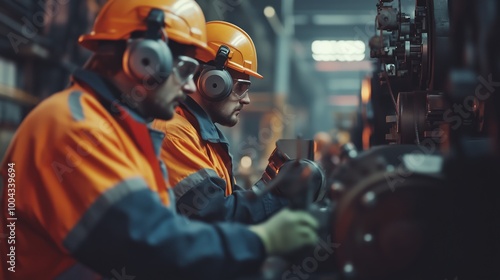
205	200
140	236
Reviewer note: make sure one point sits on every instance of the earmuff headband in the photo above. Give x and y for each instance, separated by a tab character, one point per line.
155	22
221	57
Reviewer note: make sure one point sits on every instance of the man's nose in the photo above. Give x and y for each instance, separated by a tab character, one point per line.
189	87
246	99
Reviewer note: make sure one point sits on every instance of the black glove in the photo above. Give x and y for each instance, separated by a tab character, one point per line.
275	161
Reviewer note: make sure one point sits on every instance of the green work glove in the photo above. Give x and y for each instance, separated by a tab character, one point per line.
287	232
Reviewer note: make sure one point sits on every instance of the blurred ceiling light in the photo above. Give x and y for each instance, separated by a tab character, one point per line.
353	19
246	162
350	66
344	100
273	20
339	57
338	50
269	12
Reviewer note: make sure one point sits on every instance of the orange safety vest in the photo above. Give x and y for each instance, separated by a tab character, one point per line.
193	149
69	152
200	170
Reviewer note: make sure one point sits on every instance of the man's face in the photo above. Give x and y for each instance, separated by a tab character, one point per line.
227	111
165	97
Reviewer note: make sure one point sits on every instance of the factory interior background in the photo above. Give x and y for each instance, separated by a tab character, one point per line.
351	75
308	86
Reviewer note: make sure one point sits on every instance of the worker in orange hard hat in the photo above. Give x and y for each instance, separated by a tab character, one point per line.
196	151
84	192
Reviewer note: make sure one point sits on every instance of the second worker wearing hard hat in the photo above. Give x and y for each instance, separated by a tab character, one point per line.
196	151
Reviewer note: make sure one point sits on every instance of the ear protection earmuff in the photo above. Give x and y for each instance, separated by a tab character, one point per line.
215	83
149	59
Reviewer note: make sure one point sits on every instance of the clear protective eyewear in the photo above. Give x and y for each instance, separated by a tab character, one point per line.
184	69
241	87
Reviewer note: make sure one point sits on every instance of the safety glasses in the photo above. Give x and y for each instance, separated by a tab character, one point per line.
184	69
241	87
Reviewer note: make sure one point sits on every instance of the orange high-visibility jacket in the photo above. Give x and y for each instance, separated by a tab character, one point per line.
86	202
200	170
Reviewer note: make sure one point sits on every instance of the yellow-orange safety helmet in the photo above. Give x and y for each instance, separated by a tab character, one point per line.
242	56
184	21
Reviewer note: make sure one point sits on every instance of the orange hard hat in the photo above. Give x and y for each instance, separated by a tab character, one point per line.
184	21
242	56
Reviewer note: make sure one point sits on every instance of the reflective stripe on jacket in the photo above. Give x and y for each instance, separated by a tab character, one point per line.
88	204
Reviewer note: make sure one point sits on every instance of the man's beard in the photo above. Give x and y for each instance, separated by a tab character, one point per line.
217	116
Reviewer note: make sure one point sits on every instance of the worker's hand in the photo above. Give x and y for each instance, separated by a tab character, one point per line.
275	161
287	232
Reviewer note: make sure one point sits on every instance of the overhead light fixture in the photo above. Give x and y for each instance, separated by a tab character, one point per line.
346	19
273	20
269	12
338	50
246	162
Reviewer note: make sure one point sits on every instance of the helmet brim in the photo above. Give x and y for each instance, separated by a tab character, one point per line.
241	69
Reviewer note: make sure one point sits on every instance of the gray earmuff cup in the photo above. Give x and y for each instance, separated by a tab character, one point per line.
146	59
214	84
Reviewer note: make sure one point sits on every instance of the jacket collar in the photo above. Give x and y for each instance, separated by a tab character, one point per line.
105	89
208	130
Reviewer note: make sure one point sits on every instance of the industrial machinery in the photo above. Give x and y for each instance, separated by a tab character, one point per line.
412	48
423	201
